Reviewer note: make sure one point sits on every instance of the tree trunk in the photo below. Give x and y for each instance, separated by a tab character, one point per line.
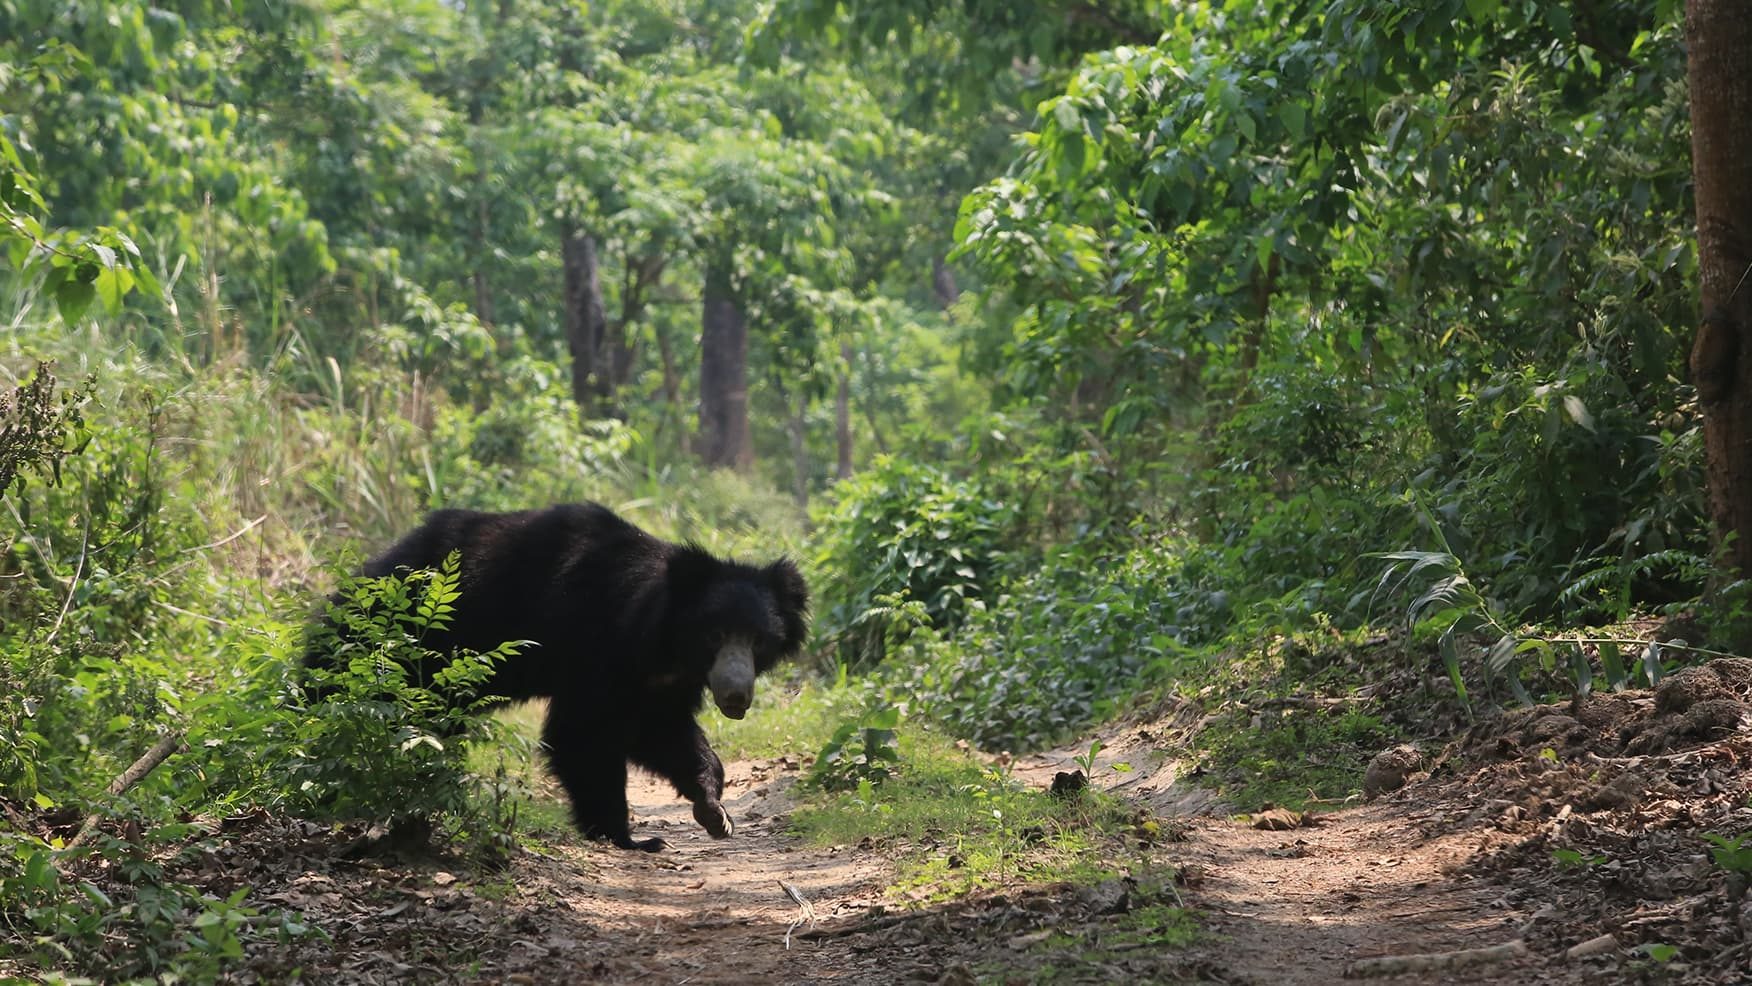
586	320
842	414
723	375
671	375
483	291
943	282
1264	285
800	451
1718	38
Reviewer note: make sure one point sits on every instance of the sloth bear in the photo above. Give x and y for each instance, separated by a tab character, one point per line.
626	632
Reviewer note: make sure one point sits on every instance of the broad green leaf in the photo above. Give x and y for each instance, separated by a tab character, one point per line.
72	298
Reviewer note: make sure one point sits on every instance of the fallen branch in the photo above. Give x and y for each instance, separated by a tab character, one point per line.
166	745
1398	965
1310	702
805	910
874	924
1593	946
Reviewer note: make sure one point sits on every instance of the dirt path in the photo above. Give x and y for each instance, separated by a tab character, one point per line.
1301	906
1288	908
1433	868
1294	907
708	910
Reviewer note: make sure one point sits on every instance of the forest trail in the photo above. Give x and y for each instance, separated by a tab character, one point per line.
1293	907
1299	906
1544	848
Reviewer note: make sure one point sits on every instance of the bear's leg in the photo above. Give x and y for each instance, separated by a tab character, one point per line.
675	748
592	767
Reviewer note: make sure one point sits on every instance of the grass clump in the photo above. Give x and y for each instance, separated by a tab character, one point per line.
962	825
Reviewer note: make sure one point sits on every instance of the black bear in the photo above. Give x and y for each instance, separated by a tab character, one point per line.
627	631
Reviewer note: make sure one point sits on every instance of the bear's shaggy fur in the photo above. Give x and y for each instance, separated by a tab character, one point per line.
626	630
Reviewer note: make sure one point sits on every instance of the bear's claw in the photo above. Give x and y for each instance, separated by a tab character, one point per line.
714	819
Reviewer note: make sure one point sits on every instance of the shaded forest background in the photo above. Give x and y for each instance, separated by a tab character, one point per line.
1067	344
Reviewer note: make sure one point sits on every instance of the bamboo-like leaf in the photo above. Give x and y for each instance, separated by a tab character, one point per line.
1612	660
1651	662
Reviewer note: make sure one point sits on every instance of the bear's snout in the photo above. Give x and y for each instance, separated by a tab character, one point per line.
732	678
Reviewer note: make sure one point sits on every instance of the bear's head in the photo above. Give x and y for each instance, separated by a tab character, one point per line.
733	621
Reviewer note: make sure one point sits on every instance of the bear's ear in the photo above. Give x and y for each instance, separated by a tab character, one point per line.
689	569
788	585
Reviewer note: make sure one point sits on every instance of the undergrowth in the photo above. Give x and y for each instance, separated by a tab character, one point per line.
958	824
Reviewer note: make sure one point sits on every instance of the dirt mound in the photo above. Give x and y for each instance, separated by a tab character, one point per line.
1616	815
1694	706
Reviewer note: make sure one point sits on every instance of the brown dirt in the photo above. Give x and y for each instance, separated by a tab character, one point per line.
1549	827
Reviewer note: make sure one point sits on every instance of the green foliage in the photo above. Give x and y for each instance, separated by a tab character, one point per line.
961	825
1733	854
1458	610
1060	646
861	752
907	531
87	577
156	927
1274	762
385	738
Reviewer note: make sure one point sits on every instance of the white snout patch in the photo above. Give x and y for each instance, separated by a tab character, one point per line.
732	678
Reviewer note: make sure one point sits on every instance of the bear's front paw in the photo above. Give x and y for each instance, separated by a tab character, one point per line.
714	819
652	844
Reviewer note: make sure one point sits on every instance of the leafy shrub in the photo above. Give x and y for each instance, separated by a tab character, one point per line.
906	531
861	751
146	925
38	429
83	585
525	447
386	741
1056	649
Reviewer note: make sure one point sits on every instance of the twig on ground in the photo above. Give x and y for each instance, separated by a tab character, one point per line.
166	745
862	927
1398	965
805	910
1593	946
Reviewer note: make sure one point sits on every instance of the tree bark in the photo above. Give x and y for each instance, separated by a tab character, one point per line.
800	450
1718	37
483	290
943	282
842	414
585	318
724	440
1264	285
671	375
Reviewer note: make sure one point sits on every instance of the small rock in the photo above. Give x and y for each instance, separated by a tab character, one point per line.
1107	897
1390	769
1068	785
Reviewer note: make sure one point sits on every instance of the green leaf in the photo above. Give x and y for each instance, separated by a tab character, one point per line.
1065	114
1613	661
1578	412
72	298
1295	119
112	285
1244	123
1482	10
